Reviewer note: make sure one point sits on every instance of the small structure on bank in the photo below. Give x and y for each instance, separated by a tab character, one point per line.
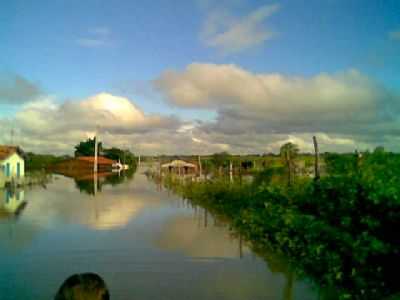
179	167
12	165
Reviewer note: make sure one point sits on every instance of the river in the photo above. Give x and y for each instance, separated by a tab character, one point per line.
145	242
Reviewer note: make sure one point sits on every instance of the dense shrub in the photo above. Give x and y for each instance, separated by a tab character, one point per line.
340	230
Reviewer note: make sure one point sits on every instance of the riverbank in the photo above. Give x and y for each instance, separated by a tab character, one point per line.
338	231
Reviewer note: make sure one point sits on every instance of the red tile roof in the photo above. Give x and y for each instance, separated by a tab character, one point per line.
100	160
6	151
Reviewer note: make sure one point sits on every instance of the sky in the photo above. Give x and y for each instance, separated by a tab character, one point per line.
200	76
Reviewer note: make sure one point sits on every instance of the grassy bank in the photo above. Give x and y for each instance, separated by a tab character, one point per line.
340	231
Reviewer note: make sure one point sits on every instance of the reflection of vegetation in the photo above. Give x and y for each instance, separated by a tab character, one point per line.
93	184
88	186
340	230
83	287
120	177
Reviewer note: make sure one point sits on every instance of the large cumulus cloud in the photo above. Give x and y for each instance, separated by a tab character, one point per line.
255	113
346	106
46	125
107	112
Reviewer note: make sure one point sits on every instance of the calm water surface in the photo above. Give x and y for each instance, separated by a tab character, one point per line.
144	242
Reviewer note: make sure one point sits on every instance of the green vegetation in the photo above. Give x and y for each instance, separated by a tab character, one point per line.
339	230
124	156
38	162
90	186
86	148
289	152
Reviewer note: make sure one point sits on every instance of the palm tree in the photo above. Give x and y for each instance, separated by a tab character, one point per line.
288	153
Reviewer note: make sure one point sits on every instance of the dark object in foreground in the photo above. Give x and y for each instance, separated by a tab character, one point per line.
87	286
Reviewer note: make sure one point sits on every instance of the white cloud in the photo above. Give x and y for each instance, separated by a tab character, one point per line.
91	42
232	34
96	37
100	31
235	92
111	113
346	109
326	142
256	113
46	125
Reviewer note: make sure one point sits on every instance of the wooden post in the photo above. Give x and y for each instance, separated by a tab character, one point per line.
200	167
316	163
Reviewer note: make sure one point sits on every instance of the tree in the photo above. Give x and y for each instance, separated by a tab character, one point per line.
379	150
86	148
124	156
341	164
289	152
221	160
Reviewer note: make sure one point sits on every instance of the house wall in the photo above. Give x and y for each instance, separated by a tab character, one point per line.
2	179
13	161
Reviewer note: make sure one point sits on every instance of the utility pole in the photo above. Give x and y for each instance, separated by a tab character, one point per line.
95	151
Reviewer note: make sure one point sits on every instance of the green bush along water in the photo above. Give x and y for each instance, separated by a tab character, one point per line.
340	231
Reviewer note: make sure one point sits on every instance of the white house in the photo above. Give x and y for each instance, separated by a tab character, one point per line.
12	164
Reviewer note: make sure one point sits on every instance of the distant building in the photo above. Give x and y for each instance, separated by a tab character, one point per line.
12	164
180	167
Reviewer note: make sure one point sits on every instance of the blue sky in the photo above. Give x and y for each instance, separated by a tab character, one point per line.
76	49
